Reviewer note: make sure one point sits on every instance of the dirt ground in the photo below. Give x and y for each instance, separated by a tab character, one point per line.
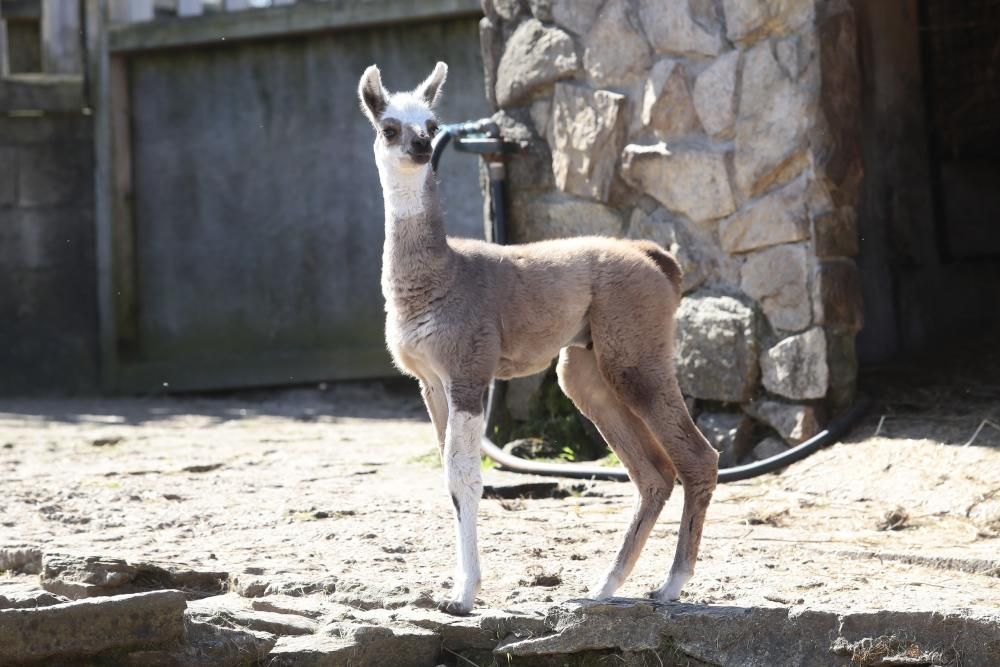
342	484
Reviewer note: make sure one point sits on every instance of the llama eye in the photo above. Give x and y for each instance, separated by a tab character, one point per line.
432	129
389	133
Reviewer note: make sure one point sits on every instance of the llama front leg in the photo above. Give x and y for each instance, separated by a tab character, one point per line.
465	484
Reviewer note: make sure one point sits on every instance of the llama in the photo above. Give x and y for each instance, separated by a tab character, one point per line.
460	312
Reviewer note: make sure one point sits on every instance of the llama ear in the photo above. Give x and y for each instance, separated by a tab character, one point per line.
430	90
374	97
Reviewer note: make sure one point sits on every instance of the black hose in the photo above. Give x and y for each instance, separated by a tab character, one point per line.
834	432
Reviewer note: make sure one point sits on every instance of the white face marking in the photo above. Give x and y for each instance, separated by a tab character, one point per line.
402	179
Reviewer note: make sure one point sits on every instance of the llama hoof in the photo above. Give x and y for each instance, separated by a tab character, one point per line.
663	595
454	607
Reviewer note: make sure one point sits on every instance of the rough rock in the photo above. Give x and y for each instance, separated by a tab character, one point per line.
778	278
688	181
206	645
255	586
755	636
557	215
508	10
21	560
796	367
776	113
541	10
715	95
88	576
535	55
491	49
794	423
717	348
691	254
750	20
231	611
587	133
769	447
667	106
15	595
840	308
729	433
306	606
89	627
541	112
530	167
359	646
521	394
615	48
480	631
671	28
576	15
777	217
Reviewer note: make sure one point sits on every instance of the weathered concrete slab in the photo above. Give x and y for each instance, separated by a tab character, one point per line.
359	646
231	611
88	576
21	559
730	635
24	595
89	627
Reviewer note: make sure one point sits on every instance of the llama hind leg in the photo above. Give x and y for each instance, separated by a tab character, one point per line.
652	392
628	436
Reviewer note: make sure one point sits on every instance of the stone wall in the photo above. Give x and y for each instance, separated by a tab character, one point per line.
48	303
726	130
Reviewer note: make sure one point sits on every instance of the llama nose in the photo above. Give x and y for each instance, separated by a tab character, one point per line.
422	144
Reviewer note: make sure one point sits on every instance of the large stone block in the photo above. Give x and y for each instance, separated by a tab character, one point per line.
587	133
90	576
794	423
577	16
491	49
729	433
841	99
717	348
63	633
672	28
615	48
530	167
667	105
778	278
535	55
776	113
557	215
359	646
688	181
750	20
691	253
796	367
715	95
778	217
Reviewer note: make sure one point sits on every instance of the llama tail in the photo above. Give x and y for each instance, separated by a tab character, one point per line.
664	261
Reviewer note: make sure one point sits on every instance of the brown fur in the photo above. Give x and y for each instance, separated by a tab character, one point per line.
461	312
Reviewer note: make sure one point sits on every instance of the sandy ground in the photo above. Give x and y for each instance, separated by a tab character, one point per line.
343	484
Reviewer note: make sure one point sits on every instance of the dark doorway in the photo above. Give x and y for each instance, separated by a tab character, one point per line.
930	213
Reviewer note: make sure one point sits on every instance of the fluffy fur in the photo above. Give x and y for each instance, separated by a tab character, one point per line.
461	312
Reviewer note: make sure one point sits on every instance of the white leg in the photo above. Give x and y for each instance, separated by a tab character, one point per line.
465	483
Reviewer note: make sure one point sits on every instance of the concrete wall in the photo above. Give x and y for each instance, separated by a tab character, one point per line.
48	306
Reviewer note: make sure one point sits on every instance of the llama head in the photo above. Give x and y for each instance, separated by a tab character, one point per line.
404	122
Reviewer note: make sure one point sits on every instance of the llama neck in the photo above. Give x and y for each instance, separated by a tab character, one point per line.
415	243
